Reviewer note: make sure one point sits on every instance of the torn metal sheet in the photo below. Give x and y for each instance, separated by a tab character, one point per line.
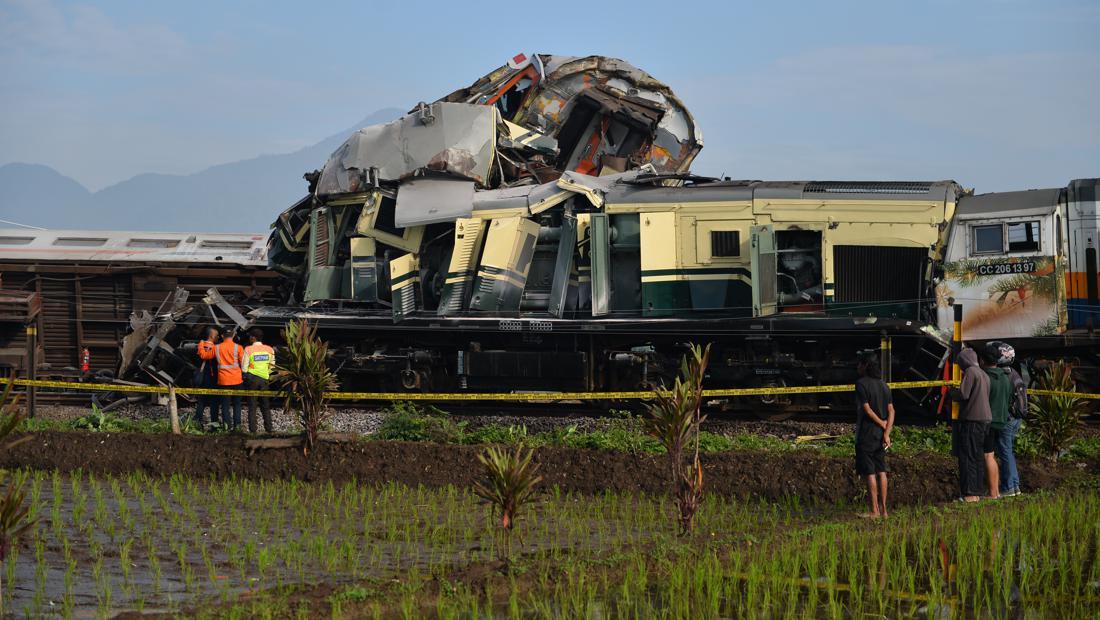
522	200
452	138
518	136
433	200
595	188
214	298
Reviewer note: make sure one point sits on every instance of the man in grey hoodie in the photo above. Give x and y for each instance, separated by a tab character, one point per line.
973	424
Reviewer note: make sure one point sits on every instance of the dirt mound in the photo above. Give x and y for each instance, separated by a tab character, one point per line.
810	476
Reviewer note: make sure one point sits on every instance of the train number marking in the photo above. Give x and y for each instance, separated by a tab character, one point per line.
1000	269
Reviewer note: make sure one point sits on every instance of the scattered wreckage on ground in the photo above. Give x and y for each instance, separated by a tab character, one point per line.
540	230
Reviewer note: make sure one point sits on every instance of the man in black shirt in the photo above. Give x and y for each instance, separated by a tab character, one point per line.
874	421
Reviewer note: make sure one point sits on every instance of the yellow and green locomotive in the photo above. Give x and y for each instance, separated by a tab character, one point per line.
540	231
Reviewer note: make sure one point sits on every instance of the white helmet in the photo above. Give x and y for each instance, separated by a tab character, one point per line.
1002	352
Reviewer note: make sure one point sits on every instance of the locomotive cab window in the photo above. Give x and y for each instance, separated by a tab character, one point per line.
1023	237
988	239
725	243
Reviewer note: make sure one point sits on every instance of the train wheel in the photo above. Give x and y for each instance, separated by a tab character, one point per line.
777	407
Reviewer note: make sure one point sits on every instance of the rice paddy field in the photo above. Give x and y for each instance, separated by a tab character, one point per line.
106	545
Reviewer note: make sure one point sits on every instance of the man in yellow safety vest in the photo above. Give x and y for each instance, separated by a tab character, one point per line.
258	360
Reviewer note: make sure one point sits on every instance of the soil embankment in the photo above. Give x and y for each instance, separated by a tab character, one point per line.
810	476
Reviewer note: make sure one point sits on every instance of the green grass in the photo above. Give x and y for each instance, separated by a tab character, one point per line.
107	422
622	432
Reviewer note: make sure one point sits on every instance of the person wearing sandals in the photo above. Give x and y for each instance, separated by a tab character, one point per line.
973	424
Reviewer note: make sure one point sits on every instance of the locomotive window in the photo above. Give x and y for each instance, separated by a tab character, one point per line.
988	239
725	243
1023	237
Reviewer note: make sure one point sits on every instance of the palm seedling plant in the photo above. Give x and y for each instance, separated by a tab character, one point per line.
1054	420
508	484
303	375
674	419
13	514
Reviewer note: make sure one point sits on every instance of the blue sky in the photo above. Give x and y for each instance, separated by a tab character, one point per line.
995	94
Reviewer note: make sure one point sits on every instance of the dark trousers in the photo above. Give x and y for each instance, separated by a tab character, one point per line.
202	403
252	382
226	401
970	438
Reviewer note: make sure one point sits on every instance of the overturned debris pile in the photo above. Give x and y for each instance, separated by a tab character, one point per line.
399	214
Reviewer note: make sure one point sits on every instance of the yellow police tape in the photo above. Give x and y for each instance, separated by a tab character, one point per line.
528	396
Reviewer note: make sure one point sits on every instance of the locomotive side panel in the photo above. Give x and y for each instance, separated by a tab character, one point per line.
1082	273
1004	265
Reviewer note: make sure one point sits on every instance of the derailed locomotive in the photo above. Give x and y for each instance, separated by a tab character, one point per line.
540	231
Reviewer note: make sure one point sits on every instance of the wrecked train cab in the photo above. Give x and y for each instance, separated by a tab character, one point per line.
523	139
605	114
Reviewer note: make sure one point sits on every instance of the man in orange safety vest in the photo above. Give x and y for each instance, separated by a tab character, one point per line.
230	357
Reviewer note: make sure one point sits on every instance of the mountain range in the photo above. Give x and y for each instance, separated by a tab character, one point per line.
243	196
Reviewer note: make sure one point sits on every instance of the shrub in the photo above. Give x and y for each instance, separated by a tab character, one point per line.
674	419
100	421
497	433
1054	420
411	422
509	483
624	435
303	374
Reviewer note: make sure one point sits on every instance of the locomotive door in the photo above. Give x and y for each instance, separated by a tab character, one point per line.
764	272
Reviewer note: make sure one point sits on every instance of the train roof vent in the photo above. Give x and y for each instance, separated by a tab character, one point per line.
840	187
82	242
152	243
223	244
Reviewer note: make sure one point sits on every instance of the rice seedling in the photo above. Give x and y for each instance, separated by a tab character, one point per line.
611	553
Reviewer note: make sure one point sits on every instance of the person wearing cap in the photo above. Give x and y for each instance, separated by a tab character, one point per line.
258	359
1000	394
1005	432
229	357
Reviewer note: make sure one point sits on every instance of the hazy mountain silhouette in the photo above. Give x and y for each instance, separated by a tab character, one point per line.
243	196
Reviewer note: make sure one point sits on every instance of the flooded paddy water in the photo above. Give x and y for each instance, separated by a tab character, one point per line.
106	544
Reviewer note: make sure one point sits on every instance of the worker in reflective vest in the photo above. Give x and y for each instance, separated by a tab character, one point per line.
258	360
206	376
229	356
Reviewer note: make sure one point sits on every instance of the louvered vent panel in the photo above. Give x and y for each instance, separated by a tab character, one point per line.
840	187
878	274
107	303
59	322
320	249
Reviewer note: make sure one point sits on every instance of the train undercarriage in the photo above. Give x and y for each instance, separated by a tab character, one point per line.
470	355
